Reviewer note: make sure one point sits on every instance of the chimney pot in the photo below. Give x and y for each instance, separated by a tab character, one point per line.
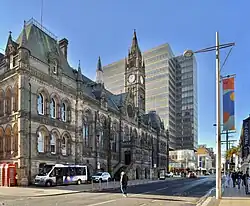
63	44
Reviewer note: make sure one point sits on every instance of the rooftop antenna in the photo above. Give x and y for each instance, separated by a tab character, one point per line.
41	13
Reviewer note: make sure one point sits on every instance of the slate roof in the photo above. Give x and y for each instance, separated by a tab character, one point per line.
41	43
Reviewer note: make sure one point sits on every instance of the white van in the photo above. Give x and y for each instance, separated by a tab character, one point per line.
62	174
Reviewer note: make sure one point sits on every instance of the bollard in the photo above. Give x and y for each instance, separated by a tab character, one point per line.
114	182
92	182
9	182
107	183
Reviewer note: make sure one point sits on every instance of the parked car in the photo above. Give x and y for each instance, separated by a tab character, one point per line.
169	174
192	175
101	176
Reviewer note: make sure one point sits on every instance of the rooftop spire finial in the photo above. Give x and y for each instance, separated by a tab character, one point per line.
79	72
99	64
79	65
24	37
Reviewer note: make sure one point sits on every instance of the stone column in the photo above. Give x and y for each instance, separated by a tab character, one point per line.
23	128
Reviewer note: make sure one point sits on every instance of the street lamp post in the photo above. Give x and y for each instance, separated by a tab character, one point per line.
189	53
218	130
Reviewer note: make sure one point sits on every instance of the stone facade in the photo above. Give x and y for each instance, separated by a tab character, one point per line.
51	113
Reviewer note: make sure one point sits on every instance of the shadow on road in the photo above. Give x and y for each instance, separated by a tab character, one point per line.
193	188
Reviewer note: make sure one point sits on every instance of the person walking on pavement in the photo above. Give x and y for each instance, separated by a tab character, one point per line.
245	180
239	176
228	180
124	183
234	178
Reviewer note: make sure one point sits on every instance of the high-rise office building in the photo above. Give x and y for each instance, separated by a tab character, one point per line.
165	77
186	103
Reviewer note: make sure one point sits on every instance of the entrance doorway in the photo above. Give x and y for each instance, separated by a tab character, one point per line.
127	155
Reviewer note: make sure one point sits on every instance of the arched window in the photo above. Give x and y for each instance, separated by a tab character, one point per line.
15	98
8	139
40	104
63	146
15	138
1	103
40	141
101	138
63	112
85	131
8	101
68	146
53	108
1	140
126	136
53	138
114	142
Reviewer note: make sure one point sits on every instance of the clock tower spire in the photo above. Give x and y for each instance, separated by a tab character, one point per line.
135	75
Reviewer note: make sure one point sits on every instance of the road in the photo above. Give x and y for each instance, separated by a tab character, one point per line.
172	193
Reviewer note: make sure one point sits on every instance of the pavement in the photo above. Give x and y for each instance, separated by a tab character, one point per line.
231	196
171	192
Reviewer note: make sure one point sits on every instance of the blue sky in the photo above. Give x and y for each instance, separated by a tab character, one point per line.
105	28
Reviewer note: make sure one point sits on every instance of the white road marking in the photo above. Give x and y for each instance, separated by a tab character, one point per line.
105	202
101	203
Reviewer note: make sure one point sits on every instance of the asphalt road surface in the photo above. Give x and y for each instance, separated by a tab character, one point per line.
172	193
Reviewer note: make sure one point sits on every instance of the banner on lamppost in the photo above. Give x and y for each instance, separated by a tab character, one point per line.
228	104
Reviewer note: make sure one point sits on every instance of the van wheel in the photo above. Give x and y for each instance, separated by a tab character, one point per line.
48	184
109	179
79	182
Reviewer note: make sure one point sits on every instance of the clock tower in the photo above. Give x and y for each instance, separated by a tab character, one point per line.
135	75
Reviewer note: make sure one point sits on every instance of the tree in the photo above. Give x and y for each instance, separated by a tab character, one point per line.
232	151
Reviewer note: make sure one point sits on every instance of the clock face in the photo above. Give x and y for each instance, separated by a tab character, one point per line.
141	79
131	78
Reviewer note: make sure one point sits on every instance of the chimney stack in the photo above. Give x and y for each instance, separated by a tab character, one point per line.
63	44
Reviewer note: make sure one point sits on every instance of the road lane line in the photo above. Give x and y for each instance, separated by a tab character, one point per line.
105	202
101	203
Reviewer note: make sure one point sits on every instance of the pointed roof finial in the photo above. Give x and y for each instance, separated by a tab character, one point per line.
9	42
24	36
99	64
9	38
79	65
135	47
79	72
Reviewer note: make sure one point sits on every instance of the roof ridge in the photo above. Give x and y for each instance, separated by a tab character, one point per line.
42	28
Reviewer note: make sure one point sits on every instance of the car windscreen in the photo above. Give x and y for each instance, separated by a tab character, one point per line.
43	171
98	174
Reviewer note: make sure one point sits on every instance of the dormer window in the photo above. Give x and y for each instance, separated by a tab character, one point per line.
54	66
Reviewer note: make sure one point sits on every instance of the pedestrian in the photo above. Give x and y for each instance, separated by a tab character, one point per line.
234	177
239	176
246	180
124	183
228	180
